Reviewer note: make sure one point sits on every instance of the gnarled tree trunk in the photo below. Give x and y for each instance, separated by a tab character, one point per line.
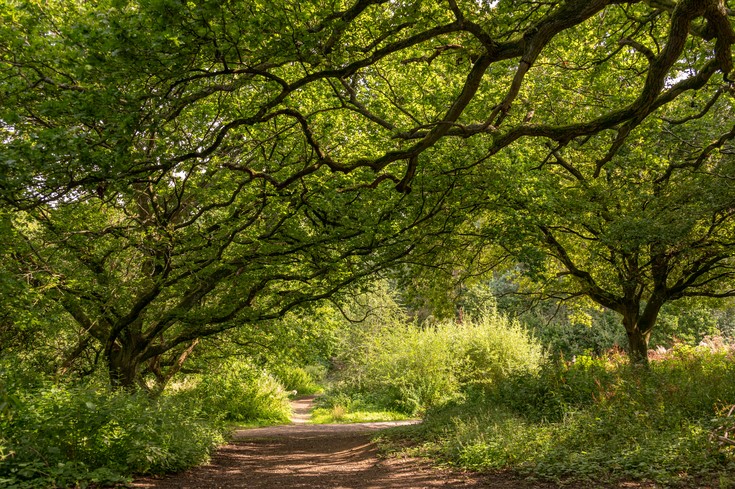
123	363
638	345
639	321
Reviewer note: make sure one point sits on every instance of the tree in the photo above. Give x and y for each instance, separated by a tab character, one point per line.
655	225
151	271
179	168
149	264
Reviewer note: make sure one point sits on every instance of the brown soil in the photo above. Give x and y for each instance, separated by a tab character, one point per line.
322	456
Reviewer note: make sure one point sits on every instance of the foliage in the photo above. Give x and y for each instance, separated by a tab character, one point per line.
576	332
63	435
724	433
178	176
59	435
175	170
692	322
295	349
595	419
348	406
145	220
581	327
629	235
402	367
238	391
300	381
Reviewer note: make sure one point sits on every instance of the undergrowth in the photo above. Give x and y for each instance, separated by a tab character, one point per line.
237	391
594	419
301	381
402	368
81	434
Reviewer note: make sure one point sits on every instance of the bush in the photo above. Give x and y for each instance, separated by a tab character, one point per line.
585	331
557	388
409	369
61	435
238	391
493	348
304	381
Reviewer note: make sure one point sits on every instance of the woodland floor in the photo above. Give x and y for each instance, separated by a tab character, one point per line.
333	456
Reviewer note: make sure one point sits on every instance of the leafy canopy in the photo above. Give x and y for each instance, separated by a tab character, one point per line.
176	169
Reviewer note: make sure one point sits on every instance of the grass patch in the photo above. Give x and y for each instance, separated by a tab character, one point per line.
345	409
337	415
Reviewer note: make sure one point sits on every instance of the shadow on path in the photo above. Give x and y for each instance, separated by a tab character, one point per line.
316	460
336	456
301	455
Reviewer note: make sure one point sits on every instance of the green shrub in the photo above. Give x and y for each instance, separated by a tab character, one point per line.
408	369
61	435
238	391
304	381
574	331
556	389
400	368
493	348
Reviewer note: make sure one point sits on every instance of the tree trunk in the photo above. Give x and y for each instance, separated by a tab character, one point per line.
163	377
123	367
638	327
638	346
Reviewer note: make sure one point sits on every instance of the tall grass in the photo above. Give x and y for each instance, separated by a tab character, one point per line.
238	391
596	419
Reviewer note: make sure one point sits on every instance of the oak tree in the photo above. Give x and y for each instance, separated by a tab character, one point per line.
179	168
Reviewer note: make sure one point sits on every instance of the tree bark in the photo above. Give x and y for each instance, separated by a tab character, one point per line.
638	327
638	346
163	377
123	367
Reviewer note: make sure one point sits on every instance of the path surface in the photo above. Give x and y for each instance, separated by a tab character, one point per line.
300	455
301	409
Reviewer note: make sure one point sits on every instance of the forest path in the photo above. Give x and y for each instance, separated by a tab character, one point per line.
301	455
301	409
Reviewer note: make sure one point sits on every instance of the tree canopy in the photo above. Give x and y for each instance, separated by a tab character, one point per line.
654	227
173	169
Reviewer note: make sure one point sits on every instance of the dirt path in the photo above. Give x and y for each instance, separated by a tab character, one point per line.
300	455
301	409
